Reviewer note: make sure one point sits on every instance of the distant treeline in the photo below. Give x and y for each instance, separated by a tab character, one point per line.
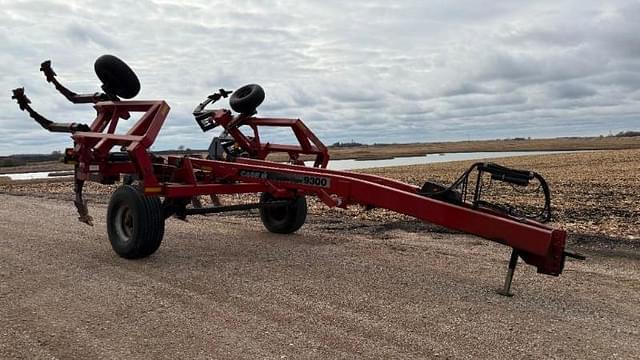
627	134
346	144
356	144
620	134
23	159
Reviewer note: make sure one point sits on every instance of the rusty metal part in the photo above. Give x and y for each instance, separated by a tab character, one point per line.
81	204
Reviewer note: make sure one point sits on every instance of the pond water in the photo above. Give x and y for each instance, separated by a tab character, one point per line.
351	164
38	175
28	176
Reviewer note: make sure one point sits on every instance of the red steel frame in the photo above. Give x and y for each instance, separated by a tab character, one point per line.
309	144
188	176
92	147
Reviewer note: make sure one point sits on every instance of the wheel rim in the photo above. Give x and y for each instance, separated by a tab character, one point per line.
124	223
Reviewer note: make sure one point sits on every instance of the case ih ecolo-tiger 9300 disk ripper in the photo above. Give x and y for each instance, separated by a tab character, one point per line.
158	187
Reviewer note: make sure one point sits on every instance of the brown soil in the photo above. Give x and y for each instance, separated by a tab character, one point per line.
593	193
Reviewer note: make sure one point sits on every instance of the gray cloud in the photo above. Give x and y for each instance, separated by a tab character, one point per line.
370	71
85	34
567	90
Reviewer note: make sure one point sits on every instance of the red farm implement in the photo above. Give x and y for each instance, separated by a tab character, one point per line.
157	187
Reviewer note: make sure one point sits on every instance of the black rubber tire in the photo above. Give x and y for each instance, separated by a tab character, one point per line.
135	223
117	77
247	99
284	219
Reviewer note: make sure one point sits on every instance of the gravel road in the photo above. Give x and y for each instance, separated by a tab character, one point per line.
223	287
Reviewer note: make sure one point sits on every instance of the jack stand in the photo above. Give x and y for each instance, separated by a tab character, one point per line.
506	290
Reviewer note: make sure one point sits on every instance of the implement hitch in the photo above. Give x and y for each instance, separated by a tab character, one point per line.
155	188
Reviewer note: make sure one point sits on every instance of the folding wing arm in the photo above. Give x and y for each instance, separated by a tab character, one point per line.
23	103
46	68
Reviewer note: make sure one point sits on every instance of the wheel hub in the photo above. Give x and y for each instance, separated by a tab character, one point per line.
124	223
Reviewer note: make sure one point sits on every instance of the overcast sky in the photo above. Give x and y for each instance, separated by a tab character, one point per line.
371	71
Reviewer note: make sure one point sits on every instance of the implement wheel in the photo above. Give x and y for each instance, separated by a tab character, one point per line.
117	77
135	223
283	219
247	99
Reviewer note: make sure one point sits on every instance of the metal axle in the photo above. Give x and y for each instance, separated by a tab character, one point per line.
240	207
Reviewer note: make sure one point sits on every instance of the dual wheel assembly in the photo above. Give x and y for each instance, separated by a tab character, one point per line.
135	222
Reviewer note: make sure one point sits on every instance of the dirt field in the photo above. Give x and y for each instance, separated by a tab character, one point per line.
594	194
